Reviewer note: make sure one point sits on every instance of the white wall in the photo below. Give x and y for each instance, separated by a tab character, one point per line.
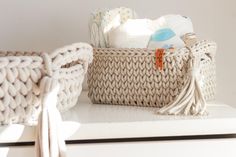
48	24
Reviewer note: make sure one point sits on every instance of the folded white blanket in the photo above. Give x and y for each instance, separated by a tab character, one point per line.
103	21
135	33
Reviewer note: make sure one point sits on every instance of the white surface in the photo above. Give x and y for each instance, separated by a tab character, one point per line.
192	148
45	25
91	121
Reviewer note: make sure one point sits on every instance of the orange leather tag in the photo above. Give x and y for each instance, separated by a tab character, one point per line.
159	58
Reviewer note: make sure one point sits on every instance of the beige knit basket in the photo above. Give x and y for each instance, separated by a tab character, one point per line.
130	76
26	76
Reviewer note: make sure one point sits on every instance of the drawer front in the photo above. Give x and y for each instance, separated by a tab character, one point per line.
183	148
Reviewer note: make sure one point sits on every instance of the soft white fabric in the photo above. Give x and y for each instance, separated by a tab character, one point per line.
103	21
135	33
180	25
172	42
164	32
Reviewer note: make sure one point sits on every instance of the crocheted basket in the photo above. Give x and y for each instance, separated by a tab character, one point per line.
35	86
22	79
131	76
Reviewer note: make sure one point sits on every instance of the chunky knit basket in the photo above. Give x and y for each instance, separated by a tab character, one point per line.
32	83
131	76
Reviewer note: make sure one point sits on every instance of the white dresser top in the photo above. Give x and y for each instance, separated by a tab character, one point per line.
92	121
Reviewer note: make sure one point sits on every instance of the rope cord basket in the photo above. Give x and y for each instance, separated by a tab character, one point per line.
182	86
36	86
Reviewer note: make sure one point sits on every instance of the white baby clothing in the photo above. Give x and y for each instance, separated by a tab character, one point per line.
104	20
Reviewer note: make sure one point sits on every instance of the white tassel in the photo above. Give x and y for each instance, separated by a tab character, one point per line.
190	101
49	140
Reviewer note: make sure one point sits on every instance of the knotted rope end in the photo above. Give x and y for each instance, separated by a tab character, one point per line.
190	101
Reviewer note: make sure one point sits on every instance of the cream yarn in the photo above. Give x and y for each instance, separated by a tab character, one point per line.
130	77
34	83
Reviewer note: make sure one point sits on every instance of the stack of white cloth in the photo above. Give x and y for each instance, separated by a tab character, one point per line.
103	21
120	28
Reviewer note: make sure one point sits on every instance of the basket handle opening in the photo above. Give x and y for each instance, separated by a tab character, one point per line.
71	64
72	55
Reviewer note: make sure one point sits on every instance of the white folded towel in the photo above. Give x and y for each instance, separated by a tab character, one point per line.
135	33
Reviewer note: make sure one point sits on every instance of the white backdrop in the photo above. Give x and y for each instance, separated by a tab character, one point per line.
44	25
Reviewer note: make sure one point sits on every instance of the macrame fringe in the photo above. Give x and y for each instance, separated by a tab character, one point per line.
49	140
190	101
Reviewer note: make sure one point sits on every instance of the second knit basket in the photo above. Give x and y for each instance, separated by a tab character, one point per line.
34	87
131	77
